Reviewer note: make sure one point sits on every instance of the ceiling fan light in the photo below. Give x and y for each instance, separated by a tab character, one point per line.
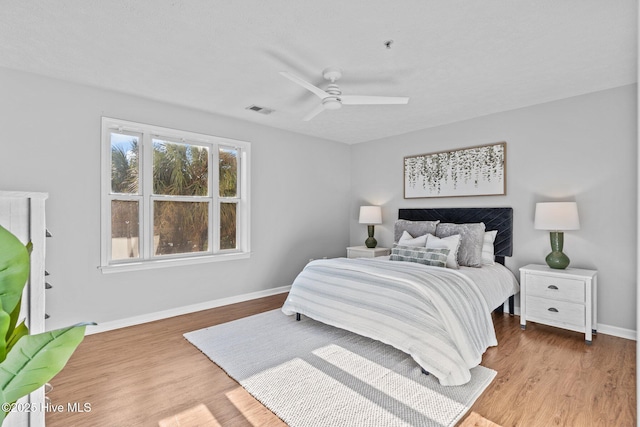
332	98
331	104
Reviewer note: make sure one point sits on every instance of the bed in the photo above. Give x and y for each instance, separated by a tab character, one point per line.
415	300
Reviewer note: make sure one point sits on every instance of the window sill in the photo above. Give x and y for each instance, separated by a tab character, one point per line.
173	262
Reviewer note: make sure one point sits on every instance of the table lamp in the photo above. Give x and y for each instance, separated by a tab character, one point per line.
370	215
557	217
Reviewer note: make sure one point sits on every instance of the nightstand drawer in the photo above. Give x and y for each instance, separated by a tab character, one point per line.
555	312
558	288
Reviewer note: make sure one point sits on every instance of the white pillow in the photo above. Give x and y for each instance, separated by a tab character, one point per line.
451	242
408	240
487	247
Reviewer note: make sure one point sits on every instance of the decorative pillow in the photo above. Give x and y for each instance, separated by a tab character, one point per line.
452	243
487	247
471	241
408	240
433	257
415	228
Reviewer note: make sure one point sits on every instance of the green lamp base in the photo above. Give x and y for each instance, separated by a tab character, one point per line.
371	242
557	259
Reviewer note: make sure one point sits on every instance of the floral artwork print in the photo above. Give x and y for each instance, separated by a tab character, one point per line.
469	171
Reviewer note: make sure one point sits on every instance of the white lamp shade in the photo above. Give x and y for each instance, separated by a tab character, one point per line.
557	216
370	215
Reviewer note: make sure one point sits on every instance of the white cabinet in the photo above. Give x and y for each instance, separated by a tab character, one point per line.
365	252
561	298
23	213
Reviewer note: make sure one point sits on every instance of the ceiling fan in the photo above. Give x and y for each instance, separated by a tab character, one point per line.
333	99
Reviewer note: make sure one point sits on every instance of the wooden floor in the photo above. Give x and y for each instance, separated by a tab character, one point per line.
149	375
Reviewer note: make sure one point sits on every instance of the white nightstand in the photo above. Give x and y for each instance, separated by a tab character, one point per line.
365	252
562	298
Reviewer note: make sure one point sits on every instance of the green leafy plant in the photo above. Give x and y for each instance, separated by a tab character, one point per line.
27	362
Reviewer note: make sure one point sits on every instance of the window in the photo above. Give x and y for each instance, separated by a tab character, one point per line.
171	197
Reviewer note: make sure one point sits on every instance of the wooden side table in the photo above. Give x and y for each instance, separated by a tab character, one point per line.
365	252
561	298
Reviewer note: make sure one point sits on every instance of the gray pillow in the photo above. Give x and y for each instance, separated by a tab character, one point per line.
415	228
471	240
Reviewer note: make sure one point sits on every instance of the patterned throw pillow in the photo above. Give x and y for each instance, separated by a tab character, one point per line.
452	243
433	257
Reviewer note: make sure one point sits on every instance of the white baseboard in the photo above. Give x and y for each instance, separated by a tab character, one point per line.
159	315
615	331
629	334
178	311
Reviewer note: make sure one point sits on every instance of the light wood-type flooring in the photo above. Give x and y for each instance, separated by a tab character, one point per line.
149	375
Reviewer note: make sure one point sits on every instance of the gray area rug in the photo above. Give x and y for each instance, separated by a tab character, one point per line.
311	374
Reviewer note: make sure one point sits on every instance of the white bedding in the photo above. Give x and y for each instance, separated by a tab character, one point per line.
496	282
441	317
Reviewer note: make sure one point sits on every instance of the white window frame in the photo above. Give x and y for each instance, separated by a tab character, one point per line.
145	197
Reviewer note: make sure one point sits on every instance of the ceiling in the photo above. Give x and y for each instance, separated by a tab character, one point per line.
455	59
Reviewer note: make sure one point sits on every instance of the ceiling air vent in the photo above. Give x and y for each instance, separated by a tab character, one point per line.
261	110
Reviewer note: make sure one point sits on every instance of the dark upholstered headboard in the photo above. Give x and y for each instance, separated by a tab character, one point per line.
500	219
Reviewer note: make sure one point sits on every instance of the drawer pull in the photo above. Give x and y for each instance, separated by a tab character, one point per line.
554	287
555	310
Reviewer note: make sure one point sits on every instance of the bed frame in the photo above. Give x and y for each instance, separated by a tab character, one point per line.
500	219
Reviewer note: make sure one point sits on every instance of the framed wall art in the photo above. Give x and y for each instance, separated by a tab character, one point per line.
471	171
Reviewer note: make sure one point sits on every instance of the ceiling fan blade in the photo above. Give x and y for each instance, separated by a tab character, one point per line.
319	109
373	100
316	90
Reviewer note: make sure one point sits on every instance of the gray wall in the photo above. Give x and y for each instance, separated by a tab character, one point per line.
581	149
50	142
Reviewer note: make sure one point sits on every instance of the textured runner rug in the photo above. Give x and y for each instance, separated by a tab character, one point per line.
311	374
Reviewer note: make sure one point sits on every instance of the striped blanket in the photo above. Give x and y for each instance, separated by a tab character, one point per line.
436	315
